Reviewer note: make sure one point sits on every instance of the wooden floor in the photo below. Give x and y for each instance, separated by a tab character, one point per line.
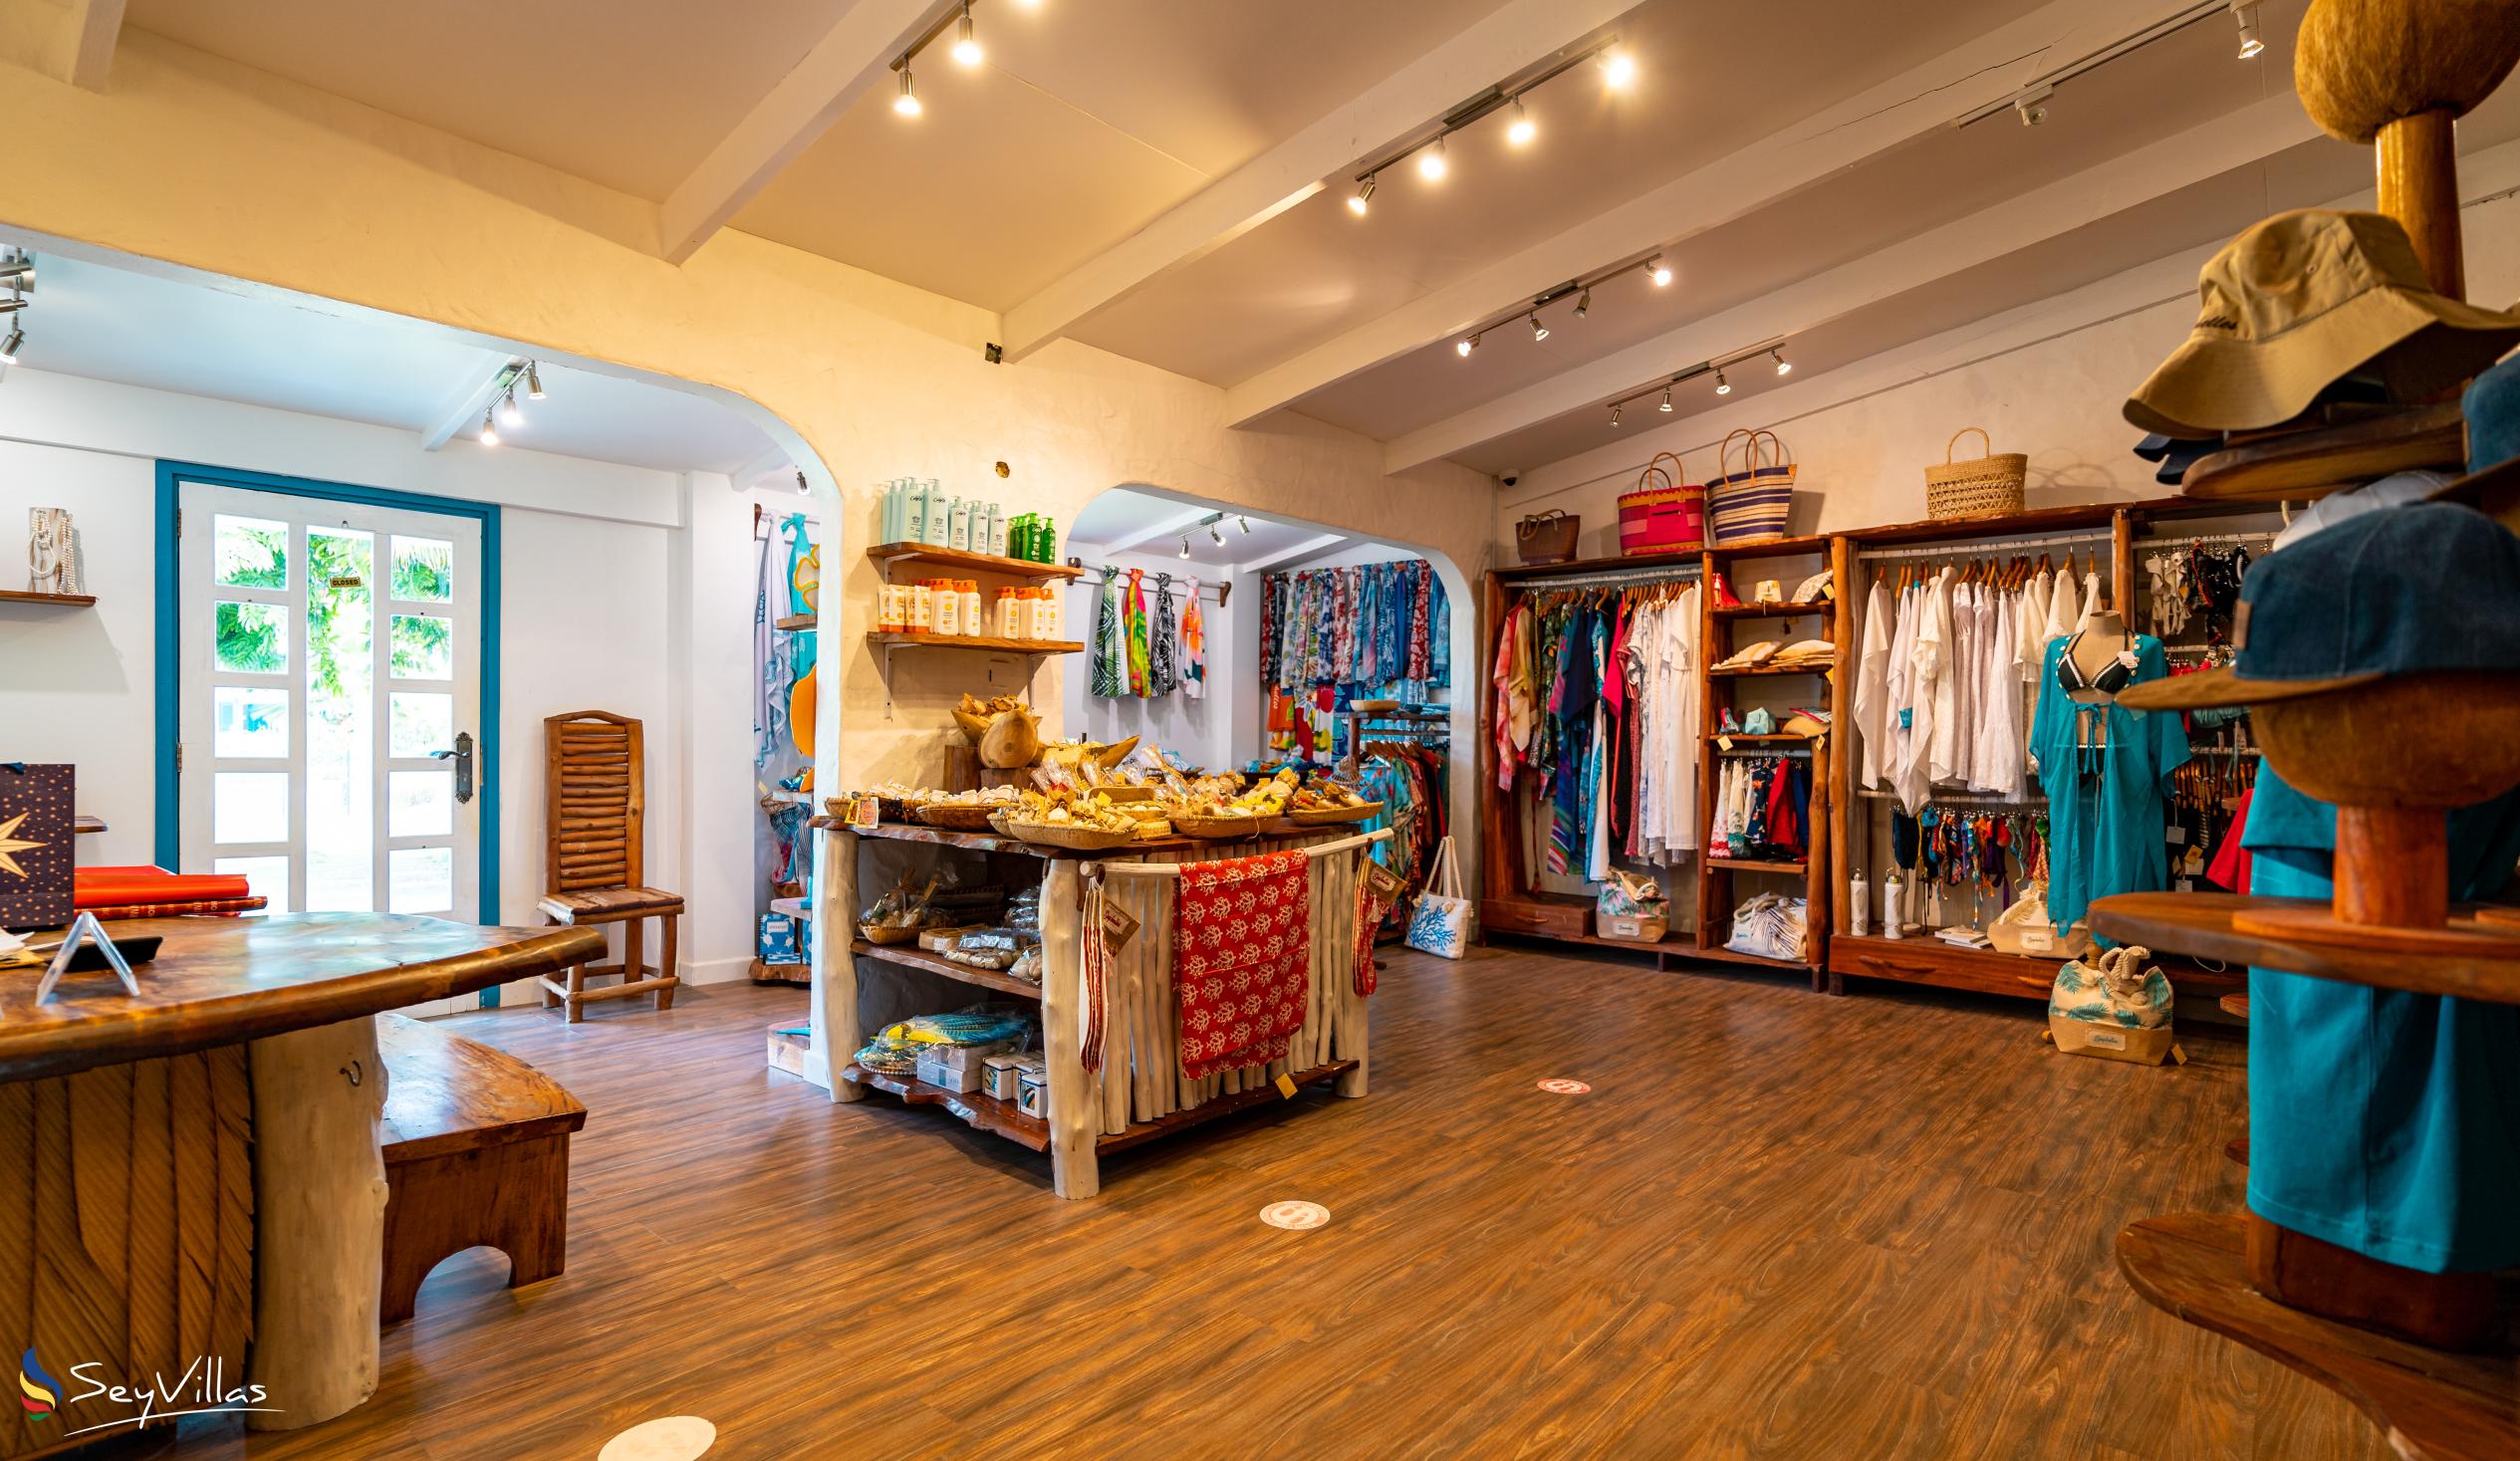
1782	1225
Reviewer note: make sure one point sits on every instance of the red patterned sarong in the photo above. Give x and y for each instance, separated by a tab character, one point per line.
1241	959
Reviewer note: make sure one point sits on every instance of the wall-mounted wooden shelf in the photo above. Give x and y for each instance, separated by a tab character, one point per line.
914	638
56	601
794	624
1774	610
988	563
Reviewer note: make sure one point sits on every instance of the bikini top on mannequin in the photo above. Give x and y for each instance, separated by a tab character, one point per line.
2113	676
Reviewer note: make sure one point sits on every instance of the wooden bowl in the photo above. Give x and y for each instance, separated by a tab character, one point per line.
1333	815
1216	828
958	816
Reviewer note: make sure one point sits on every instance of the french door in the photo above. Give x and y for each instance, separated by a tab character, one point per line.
329	700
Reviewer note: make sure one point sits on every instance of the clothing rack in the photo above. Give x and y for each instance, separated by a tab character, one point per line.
1984	548
2193	540
759	512
1223	587
1614	579
2026	801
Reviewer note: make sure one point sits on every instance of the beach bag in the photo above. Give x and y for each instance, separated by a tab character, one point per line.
1752	503
2114	1008
2025	928
1663	514
1446	923
1770	926
1632	909
1546	537
1979	487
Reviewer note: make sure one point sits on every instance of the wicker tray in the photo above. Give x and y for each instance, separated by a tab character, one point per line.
1216	828
1075	838
1333	815
958	816
888	937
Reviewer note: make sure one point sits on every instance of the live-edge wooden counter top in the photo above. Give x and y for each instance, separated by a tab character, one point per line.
219	981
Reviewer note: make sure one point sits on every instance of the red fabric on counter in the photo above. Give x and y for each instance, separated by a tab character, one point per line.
106	887
1241	959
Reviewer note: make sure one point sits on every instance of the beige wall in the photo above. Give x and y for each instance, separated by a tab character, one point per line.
214	167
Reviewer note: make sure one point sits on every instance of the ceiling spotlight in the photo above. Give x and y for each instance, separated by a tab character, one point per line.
2033	104
1430	163
1216	535
1617	69
801	490
533	381
1660	272
1614	419
2245	13
1583	303
1523	128
1365	196
1782	366
907	103
1667	399
966	47
1722	385
17	274
1185	545
509	411
1539	331
1463	347
489	433
1246	525
10	347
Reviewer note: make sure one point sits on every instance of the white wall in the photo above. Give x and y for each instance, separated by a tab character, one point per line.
1201	730
605	603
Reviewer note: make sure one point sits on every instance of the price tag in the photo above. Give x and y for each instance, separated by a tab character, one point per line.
2175	835
1723	743
1286	1086
1119	926
1382	882
868	812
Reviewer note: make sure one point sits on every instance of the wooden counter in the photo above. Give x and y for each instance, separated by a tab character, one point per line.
192	1179
218	981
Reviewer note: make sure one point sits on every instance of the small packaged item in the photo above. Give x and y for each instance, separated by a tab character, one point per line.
998	1078
1032	1087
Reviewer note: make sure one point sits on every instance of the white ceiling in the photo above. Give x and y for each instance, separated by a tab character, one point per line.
266	348
1122	515
1096	125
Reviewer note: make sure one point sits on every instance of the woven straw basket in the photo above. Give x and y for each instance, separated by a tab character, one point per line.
1979	487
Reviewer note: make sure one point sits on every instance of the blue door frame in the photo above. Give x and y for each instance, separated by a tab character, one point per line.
170	655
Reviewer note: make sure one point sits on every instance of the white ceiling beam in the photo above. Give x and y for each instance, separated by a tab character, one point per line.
852	56
93	28
772	460
1985	69
1172	525
2130	180
1293	553
463	409
1511	40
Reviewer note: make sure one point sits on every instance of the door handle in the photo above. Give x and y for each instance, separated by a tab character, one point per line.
463	757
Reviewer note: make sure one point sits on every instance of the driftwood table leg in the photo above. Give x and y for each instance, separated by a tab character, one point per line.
1074	1109
832	1000
320	1207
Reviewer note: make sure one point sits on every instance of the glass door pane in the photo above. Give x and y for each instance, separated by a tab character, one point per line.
341	777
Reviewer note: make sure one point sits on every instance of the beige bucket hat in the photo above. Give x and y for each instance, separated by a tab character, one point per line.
2300	302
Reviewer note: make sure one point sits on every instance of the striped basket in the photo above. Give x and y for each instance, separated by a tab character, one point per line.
1750	505
1663	514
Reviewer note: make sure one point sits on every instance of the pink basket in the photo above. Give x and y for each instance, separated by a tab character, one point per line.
1662	514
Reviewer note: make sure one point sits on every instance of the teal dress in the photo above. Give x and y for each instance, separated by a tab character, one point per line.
2107	808
2380	1120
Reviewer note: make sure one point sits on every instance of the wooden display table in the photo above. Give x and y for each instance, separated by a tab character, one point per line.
1137	1093
194	1173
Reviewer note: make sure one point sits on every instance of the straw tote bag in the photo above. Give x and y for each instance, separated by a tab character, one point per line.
1978	487
1750	504
1663	514
1446	923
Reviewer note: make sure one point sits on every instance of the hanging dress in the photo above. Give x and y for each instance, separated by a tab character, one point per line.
1163	645
1133	628
1110	653
1193	643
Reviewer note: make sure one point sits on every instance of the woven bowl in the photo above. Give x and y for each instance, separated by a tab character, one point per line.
957	816
1333	815
877	933
1075	838
1216	828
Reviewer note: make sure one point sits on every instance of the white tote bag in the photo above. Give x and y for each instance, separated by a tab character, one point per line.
1446	923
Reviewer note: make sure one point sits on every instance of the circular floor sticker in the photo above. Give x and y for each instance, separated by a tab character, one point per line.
1559	1085
674	1438
1294	1216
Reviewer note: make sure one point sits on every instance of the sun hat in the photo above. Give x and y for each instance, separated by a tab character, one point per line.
2301	301
2429	587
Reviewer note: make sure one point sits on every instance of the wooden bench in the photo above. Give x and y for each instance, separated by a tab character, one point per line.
476	1154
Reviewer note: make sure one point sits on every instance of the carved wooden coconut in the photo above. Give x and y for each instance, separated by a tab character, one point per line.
1013	741
2362	63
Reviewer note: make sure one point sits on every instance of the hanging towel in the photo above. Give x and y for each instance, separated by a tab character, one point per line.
1193	644
1133	624
1163	646
1241	959
1110	653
